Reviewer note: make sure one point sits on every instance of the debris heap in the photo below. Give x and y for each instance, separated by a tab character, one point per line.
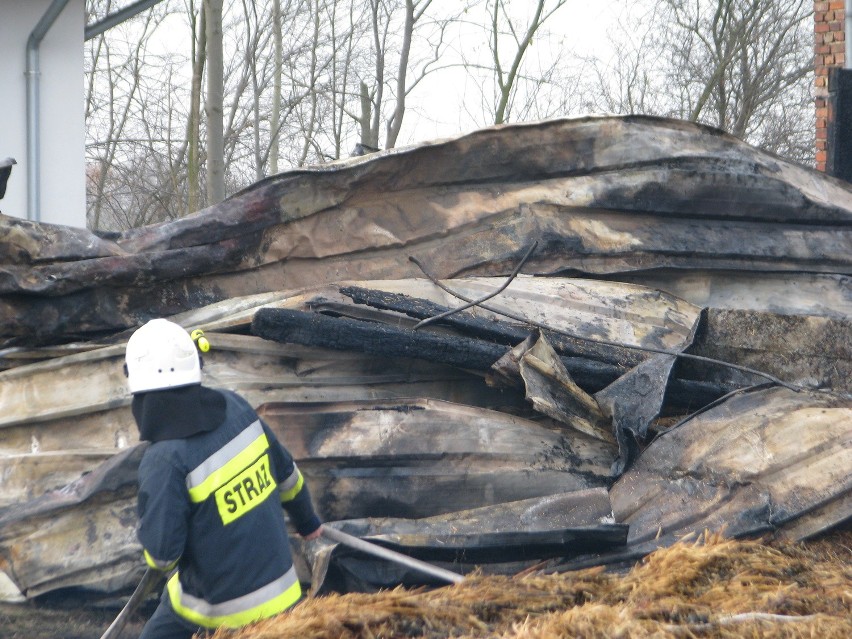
570	342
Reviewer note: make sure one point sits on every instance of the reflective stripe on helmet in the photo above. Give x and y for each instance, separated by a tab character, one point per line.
269	600
227	462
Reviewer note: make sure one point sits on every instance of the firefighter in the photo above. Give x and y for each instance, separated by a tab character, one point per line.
212	485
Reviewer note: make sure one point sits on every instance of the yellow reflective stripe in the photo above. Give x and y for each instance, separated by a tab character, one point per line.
158	564
219	458
246	491
269	600
229	469
291	486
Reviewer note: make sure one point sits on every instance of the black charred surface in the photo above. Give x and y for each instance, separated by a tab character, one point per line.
798	349
314	329
722	188
247	213
418	308
591	373
500	547
499	536
97	312
632	402
612	359
141	269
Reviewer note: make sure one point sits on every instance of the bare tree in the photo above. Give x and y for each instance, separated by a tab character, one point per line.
413	13
629	81
742	55
740	65
119	75
199	57
275	116
214	105
308	72
289	82
502	24
343	40
495	54
395	26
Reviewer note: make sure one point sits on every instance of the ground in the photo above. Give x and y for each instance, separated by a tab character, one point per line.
710	588
64	620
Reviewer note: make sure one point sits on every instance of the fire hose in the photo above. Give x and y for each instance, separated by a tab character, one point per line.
391	555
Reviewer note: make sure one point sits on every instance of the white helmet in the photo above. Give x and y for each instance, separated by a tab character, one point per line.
159	355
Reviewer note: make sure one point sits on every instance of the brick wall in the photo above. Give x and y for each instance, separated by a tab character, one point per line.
829	51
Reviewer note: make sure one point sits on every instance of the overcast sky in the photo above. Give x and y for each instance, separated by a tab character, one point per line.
436	108
581	27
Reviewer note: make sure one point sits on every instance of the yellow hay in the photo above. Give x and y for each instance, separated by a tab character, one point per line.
709	588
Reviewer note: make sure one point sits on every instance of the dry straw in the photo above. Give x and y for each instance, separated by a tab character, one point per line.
712	587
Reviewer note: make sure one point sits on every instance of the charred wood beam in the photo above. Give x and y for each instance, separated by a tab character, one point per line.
592	368
596	340
419	308
340	333
613	360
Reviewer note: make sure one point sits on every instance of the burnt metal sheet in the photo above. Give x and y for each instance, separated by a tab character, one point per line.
77	407
551	390
28	242
601	195
417	458
764	461
807	294
499	539
81	397
361	458
633	401
82	535
632	315
29	475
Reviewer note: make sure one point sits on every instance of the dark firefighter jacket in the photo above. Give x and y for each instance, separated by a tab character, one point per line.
211	504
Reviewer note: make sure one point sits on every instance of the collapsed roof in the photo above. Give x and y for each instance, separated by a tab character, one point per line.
605	197
666	348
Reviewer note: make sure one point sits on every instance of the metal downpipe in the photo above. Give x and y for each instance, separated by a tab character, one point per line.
113	19
33	74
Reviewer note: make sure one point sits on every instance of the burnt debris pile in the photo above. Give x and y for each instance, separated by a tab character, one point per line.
546	346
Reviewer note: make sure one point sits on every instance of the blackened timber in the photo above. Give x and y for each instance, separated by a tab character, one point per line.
340	333
593	376
583	364
500	332
419	308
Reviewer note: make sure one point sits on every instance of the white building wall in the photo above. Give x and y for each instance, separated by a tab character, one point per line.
63	192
